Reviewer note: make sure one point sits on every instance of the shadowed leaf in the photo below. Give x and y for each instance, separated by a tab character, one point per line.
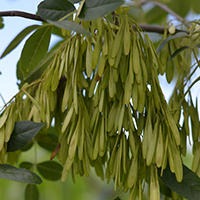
48	142
20	175
26	165
50	170
189	187
23	133
31	192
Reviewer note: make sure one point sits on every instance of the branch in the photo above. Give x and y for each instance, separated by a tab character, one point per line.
21	14
147	28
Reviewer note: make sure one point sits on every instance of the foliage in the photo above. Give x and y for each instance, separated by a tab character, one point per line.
99	94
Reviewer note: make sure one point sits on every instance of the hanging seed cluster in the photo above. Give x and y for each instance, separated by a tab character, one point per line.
104	95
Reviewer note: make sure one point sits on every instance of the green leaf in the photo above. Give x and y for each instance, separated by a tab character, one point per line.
48	142
31	192
155	15
93	9
197	46
52	130
22	134
35	49
40	68
195	6
177	35
189	187
26	165
1	23
50	170
178	51
55	10
181	7
69	25
20	175
164	189
18	39
27	146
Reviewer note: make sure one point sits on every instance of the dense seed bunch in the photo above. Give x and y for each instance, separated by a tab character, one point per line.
104	95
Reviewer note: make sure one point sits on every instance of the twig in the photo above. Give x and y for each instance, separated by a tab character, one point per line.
15	13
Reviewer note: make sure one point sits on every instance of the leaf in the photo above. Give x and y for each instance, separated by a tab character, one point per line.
55	10
178	51
50	170
198	45
38	71
69	25
48	142
22	134
195	6
17	174
180	10
18	39
164	189
189	187
177	35
155	15
31	192
27	146
26	165
35	49
74	1
93	9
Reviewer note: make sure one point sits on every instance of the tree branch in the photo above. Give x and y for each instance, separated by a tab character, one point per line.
147	28
15	13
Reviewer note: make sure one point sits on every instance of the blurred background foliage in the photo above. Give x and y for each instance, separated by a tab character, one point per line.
89	188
